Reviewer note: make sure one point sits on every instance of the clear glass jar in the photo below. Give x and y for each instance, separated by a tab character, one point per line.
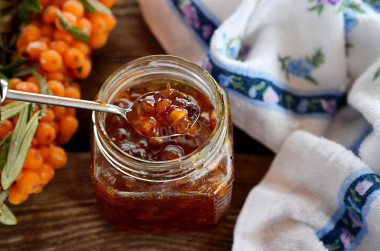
189	193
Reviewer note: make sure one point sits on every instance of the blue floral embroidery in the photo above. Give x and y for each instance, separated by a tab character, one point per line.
255	88
302	67
349	226
299	67
350	22
196	19
375	4
261	89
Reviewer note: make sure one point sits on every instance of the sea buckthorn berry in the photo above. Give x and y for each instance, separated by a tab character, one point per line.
176	115
64	36
6	126
44	151
69	17
110	21
68	125
56	75
32	79
46	40
59	46
99	24
74	7
13	82
63	139
85	25
31	33
59	111
57	157
50	60
57	3
162	105
83	71
35	49
108	3
63	69
73	58
21	44
44	3
28	182
72	92
56	88
98	40
47	31
27	87
48	116
70	111
33	159
34	142
54	124
50	14
46	173
84	48
45	133
16	196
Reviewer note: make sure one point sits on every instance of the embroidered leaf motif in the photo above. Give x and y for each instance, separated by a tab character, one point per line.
345	221
348	46
356	7
289	101
284	68
377	74
237	85
311	80
335	246
354	196
318	8
377	178
342	5
316	59
260	86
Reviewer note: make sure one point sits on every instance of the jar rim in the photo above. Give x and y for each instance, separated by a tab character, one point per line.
169	60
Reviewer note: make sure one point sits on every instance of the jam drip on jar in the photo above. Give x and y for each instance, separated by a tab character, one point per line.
160	112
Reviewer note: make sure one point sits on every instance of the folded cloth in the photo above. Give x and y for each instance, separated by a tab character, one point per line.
310	65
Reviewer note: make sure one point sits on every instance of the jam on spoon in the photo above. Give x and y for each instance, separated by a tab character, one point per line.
163	113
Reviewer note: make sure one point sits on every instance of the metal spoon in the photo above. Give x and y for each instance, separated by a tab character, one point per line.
84	104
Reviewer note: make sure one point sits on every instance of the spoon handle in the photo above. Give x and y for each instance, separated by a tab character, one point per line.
60	101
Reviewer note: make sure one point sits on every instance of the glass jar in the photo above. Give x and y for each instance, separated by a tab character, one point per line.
189	193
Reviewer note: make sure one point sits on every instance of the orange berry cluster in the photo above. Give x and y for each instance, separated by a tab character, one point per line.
61	58
57	52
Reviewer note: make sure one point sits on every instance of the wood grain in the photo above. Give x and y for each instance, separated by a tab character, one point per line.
65	216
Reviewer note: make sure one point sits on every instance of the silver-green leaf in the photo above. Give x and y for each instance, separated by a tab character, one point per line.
12	109
93	5
20	142
73	30
6	216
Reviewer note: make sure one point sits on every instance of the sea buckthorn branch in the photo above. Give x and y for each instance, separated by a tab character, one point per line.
46	45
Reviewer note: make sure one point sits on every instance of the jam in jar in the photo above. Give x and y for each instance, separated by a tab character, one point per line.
170	184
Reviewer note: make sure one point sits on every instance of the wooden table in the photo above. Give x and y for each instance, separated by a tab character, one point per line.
65	216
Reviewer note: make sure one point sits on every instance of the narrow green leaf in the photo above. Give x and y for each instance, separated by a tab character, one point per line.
93	5
5	144
16	143
12	66
27	7
44	88
12	109
311	80
26	71
377	74
3	46
73	30
356	7
7	217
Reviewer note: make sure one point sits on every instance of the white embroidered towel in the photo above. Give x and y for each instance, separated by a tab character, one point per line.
291	65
